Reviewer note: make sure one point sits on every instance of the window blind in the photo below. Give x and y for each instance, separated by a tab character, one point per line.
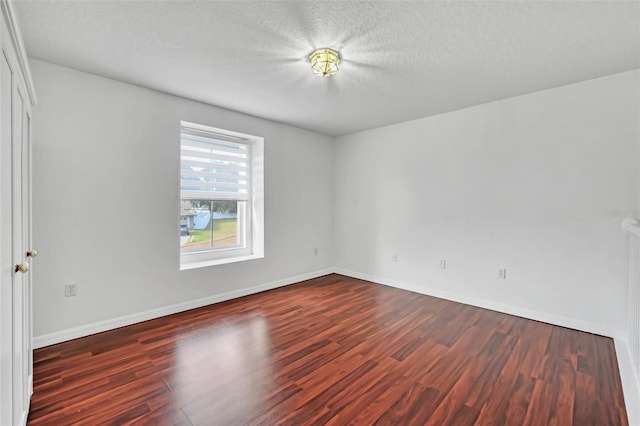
214	166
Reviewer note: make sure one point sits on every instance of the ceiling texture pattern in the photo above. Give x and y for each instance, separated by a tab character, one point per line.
400	60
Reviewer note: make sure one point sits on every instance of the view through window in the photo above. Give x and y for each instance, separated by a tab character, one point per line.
210	224
215	193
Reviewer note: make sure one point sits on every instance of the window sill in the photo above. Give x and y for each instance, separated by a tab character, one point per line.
213	262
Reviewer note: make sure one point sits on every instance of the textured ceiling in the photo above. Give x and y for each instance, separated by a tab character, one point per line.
401	60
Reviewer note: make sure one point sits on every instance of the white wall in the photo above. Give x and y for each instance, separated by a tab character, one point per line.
521	183
106	164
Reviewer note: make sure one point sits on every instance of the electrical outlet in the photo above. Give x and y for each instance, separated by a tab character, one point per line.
443	264
70	289
502	273
394	258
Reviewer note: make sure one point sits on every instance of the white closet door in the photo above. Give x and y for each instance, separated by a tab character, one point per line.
15	225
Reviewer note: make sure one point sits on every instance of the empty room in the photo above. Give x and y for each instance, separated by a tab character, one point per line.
319	212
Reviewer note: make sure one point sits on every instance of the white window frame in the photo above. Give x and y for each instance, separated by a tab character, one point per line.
252	231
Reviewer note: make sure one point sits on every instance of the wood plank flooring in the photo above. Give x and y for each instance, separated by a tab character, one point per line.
332	350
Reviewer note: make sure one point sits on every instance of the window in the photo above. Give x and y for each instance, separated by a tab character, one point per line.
221	196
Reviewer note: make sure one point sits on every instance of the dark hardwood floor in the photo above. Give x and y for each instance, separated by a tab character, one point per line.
333	350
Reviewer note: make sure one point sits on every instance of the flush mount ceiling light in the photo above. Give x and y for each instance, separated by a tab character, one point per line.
324	62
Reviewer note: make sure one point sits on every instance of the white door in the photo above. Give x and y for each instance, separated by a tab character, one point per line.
15	234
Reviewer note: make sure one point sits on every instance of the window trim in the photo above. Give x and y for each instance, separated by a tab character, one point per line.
253	231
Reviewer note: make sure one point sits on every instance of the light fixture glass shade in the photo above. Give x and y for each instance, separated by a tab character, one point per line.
324	62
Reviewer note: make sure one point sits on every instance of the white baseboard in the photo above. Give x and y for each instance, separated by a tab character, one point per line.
488	304
98	327
630	384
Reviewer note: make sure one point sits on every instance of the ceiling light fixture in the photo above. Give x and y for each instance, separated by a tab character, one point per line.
324	62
